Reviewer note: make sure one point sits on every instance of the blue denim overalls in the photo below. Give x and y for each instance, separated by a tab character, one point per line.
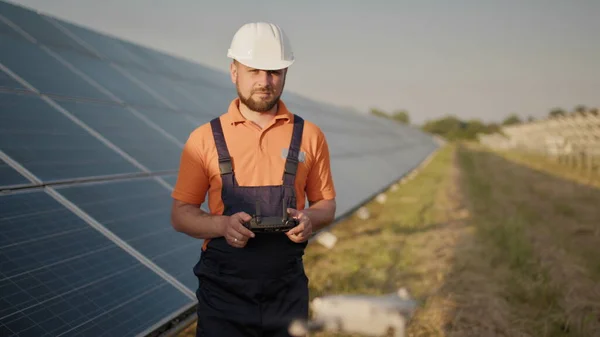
256	290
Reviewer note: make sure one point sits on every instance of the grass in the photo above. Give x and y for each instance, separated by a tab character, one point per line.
371	255
487	245
553	167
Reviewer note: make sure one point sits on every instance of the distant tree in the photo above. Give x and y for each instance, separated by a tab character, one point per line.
473	128
556	112
401	116
530	119
512	119
452	128
492	128
594	111
379	113
580	109
448	127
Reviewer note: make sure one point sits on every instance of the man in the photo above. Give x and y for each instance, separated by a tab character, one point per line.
258	159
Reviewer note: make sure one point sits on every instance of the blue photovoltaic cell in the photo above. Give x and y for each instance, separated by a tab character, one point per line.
167	89
138	211
56	270
5	28
147	56
170	179
179	125
8	176
50	145
38	27
211	101
8	82
121	127
106	46
43	71
111	79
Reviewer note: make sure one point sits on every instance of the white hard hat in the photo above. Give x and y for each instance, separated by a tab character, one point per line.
261	45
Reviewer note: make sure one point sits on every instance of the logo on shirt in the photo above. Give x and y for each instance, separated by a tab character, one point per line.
301	155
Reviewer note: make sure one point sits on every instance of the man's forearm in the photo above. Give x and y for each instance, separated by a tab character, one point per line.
196	223
321	214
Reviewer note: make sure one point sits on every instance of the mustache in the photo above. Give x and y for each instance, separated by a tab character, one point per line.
264	91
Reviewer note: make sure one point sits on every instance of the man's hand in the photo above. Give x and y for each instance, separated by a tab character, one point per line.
303	231
234	231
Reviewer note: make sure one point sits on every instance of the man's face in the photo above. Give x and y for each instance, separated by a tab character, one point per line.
258	89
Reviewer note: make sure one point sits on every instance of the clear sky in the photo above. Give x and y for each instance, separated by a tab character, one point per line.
474	59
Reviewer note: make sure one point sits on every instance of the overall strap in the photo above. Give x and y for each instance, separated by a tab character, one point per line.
291	162
225	165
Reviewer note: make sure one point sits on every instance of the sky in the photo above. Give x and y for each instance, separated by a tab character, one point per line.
473	59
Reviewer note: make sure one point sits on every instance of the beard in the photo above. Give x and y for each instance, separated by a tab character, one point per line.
260	104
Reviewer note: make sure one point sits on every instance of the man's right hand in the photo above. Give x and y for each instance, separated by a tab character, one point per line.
234	231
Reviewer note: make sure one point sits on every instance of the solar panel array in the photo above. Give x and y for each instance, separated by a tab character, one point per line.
91	130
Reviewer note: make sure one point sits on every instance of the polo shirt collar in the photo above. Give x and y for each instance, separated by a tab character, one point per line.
235	116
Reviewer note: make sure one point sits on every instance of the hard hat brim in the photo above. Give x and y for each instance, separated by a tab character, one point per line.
257	64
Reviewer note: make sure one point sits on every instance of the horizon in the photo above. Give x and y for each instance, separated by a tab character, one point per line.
474	61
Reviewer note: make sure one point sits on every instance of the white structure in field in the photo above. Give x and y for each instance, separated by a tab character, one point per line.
573	134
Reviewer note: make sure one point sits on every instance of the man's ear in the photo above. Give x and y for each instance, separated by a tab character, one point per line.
233	71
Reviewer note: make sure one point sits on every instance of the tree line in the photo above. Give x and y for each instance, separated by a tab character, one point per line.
453	128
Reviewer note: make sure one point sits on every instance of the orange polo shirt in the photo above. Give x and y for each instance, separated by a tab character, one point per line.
258	158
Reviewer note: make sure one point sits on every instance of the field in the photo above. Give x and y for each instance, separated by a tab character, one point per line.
491	244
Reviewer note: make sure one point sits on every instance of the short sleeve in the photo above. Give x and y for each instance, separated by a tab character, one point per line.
192	179
319	183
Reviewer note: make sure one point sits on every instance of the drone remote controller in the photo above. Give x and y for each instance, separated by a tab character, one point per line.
260	224
270	224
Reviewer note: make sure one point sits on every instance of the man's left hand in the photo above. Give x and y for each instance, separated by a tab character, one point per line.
303	231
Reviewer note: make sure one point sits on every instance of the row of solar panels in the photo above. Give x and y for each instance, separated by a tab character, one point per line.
91	130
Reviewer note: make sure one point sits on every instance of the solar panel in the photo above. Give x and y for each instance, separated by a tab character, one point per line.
138	211
37	27
100	123
9	177
178	125
109	78
56	271
106	46
140	139
50	145
166	88
7	82
5	29
210	101
172	180
43	71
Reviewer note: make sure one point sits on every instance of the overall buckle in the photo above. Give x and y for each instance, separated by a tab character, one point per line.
225	166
